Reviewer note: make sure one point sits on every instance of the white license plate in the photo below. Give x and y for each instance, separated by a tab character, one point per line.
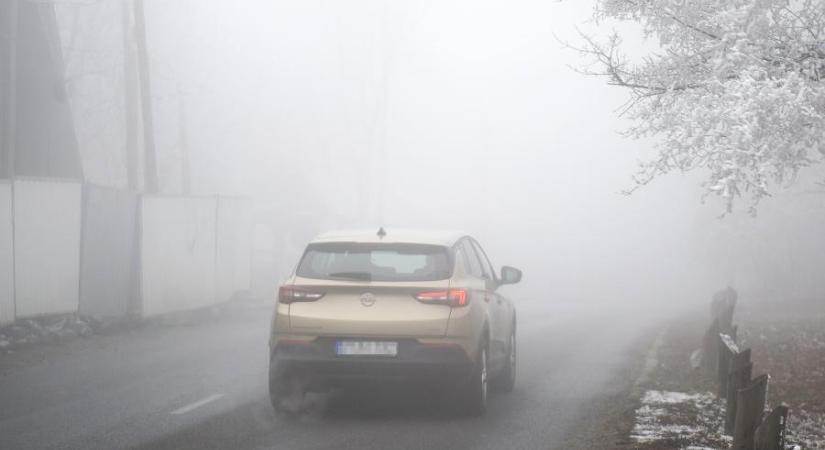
366	348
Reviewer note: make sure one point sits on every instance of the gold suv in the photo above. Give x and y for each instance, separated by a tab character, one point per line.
396	305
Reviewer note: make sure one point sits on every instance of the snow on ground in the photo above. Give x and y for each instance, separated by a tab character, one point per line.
42	329
668	419
680	420
806	430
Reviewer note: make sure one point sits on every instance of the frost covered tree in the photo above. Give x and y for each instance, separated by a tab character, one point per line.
736	87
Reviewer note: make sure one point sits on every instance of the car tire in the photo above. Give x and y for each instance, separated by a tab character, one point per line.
286	392
506	380
476	390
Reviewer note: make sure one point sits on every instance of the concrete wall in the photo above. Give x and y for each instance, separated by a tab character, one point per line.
178	249
6	255
47	246
108	258
234	241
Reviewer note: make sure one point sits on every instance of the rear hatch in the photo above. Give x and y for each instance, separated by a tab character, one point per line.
369	289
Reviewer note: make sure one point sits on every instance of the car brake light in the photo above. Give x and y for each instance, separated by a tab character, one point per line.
287	295
452	297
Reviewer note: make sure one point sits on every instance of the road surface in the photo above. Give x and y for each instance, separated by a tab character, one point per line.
204	385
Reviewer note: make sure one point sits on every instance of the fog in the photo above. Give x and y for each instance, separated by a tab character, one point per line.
276	120
447	115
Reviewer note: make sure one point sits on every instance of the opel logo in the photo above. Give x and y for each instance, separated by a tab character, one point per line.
367	299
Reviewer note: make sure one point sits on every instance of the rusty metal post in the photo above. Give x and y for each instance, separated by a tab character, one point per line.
771	433
710	346
726	319
750	408
727	350
739	377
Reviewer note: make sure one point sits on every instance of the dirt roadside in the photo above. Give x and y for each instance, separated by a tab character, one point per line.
678	408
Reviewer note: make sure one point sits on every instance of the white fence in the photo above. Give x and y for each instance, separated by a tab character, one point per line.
46	246
61	254
233	255
108	252
177	253
6	256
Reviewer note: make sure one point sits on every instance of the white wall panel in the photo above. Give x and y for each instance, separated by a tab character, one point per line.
47	246
108	263
233	263
6	256
177	253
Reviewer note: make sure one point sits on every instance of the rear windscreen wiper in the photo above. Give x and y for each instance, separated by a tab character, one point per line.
358	276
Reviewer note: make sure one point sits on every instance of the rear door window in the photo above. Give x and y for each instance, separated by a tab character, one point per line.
375	262
475	265
486	267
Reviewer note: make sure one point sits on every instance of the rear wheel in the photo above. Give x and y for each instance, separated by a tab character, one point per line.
287	391
506	381
476	390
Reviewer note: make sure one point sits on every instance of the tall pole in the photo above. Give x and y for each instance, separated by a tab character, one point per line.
131	103
186	181
11	95
150	158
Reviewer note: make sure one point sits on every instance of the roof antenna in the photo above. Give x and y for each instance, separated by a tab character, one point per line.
381	233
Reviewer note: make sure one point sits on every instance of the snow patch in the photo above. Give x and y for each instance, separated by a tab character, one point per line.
694	421
670	398
689	420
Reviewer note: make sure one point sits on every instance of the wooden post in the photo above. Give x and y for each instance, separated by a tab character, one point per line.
739	377
750	407
727	349
710	348
771	433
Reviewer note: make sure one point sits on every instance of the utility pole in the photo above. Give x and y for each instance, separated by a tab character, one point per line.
10	128
186	181
130	104
150	158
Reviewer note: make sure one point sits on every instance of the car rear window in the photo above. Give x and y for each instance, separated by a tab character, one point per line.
375	262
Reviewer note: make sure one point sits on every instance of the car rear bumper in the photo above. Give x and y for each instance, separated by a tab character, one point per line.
416	362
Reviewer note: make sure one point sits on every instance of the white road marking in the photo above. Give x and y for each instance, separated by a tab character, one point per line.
197	404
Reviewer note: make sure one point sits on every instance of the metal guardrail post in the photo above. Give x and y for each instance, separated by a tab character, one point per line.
727	350
710	346
739	376
770	435
750	408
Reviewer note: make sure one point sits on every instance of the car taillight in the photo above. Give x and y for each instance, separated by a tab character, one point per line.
288	294
452	297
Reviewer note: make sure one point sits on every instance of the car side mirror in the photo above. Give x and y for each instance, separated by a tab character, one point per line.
510	275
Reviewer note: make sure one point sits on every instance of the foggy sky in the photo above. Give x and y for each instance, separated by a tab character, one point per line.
459	115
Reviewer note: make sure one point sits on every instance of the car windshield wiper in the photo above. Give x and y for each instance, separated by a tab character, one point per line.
358	276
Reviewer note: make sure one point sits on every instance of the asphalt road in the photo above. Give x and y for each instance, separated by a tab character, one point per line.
203	385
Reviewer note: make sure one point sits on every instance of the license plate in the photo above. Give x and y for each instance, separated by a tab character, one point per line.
366	348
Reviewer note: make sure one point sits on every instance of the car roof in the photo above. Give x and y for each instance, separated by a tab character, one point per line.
393	235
